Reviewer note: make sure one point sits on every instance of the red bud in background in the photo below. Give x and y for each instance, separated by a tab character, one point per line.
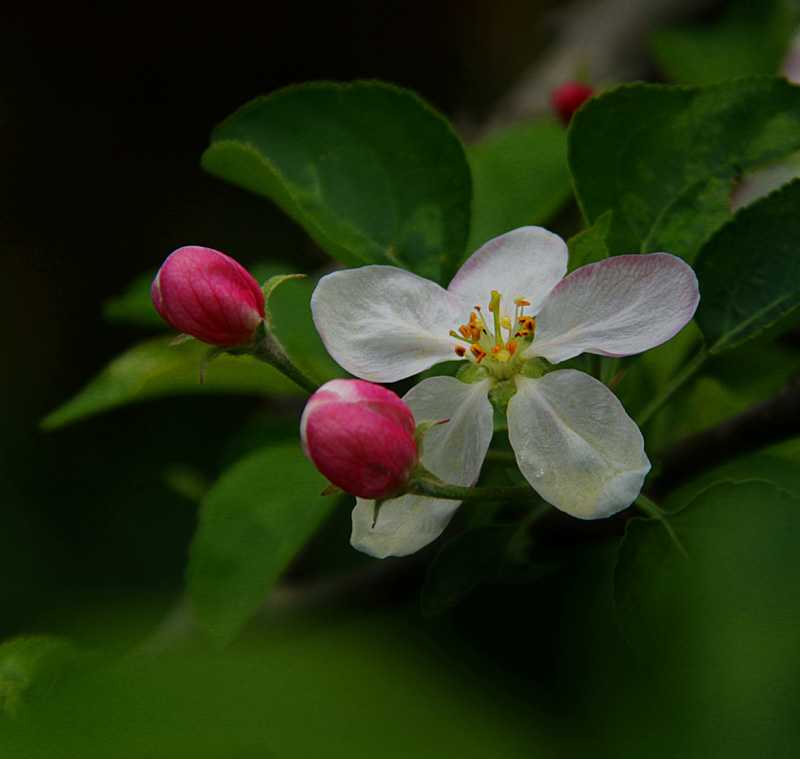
568	97
361	437
208	295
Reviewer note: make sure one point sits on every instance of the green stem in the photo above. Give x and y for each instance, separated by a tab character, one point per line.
503	458
457	493
677	382
271	352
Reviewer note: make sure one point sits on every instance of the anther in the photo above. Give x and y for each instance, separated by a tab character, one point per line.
511	347
478	352
461	351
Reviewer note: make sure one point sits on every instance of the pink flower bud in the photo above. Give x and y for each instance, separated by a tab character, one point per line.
360	436
208	295
568	97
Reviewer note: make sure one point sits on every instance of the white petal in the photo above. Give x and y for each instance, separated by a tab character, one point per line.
404	525
617	307
453	451
382	324
525	263
575	444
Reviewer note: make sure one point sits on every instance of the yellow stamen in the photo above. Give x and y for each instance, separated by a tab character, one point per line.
461	351
512	348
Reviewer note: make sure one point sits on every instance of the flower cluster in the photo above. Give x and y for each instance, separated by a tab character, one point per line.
511	314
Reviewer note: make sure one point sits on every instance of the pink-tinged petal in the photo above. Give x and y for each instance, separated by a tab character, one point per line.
383	324
453	451
575	444
617	307
525	263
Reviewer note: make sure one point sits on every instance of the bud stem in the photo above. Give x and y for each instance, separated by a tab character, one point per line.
271	352
458	493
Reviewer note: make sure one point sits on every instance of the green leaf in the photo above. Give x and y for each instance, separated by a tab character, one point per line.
134	305
589	246
726	385
153	369
749	272
778	464
253	522
663	158
717	624
486	554
748	38
520	177
29	666
370	171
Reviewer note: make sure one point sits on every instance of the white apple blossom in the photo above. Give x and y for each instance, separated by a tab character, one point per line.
512	313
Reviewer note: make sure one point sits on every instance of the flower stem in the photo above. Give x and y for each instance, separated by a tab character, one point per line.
271	352
458	493
503	458
675	384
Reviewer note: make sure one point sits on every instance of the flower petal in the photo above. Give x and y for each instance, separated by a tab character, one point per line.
404	524
617	307
525	263
382	324
575	444
454	452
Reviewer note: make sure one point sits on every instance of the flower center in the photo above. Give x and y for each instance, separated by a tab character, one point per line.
495	346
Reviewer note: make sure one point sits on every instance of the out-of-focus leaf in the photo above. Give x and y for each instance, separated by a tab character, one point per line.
749	272
486	554
29	667
712	610
589	246
369	170
253	522
134	305
520	177
153	369
357	687
663	158
748	38
778	464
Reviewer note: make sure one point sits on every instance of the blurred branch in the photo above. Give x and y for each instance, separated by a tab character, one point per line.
769	421
606	40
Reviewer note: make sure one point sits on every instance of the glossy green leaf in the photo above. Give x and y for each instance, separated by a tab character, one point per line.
748	38
663	158
589	246
253	522
712	611
486	554
749	272
520	177
154	369
370	171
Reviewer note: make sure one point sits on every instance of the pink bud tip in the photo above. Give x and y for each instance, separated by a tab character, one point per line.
208	295
568	97
361	437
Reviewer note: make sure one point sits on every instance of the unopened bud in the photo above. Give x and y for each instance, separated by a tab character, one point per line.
208	295
361	437
568	97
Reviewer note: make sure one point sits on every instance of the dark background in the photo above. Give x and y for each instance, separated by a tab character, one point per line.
104	113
